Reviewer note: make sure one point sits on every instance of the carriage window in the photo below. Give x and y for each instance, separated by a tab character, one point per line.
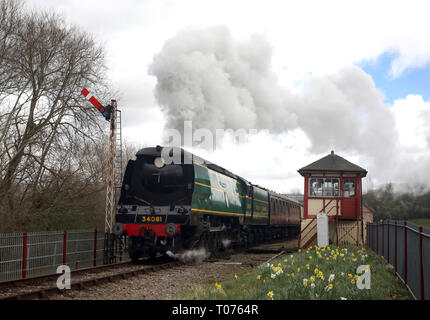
324	187
349	188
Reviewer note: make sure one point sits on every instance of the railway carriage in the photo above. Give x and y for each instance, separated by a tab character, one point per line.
193	203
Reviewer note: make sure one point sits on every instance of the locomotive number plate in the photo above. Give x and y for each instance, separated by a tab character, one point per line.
153	219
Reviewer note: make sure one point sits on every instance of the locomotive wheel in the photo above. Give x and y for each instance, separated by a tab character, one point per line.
134	256
152	253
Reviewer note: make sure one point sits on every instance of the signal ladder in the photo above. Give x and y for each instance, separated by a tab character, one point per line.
118	154
113	245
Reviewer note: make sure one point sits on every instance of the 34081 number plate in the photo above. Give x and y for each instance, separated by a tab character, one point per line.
153	219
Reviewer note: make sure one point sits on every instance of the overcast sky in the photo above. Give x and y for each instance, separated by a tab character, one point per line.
348	76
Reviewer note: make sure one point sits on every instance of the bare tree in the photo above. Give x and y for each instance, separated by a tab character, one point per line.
44	65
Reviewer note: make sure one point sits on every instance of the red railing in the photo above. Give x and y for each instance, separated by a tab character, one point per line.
313	237
347	230
302	234
31	254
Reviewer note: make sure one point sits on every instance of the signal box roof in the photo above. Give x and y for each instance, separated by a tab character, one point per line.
332	163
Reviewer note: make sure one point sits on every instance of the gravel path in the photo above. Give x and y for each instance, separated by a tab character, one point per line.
168	283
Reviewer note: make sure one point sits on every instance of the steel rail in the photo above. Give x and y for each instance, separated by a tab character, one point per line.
56	275
82	284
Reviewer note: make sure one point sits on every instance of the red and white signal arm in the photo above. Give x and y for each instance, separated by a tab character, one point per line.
105	111
93	100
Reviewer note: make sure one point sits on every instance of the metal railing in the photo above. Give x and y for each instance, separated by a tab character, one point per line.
406	246
31	254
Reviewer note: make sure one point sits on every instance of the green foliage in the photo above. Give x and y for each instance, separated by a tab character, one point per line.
63	215
388	204
327	273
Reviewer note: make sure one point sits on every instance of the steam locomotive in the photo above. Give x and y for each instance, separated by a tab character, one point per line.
175	205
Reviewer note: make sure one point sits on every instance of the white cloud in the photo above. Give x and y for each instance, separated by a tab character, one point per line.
410	114
311	42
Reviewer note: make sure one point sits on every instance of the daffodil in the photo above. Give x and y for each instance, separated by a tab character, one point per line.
270	294
217	285
305	282
259	277
329	287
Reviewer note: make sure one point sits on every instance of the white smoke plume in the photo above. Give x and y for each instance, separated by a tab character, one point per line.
226	243
219	82
190	256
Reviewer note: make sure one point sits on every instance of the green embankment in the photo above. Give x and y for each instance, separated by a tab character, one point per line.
328	273
421	222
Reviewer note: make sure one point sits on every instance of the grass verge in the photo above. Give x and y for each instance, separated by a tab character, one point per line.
421	222
318	273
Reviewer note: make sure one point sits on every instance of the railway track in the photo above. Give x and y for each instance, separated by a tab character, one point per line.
45	287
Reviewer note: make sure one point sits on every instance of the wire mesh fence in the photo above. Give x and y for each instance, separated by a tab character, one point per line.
406	246
32	254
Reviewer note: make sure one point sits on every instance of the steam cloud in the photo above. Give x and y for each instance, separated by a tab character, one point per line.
190	256
220	82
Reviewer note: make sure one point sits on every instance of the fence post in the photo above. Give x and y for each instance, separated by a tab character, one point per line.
358	233
24	255
421	263
388	241
64	246
377	237
95	248
406	252
395	246
383	238
337	234
368	235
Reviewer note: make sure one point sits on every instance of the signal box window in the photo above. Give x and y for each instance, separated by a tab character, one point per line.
324	187
316	187
331	187
349	188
